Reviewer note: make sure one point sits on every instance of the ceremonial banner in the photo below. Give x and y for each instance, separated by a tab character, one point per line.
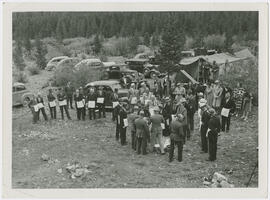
52	104
100	100
36	108
91	104
133	100
125	122
225	112
163	126
115	104
63	103
40	105
80	104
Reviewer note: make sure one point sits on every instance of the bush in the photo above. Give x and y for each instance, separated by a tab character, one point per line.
21	77
33	70
78	78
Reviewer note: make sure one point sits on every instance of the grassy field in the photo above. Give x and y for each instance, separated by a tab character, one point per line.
109	165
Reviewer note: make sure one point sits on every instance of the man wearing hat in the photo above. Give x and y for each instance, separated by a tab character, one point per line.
131	118
204	124
177	137
123	123
133	96
181	109
156	130
142	133
114	99
167	115
212	134
101	102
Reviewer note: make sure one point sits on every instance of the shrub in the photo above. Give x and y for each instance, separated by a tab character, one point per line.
33	70
21	77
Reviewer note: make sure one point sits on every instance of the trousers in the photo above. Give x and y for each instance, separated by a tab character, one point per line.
62	108
133	139
69	101
80	114
225	122
204	139
141	145
156	137
101	109
123	135
179	145
212	142
53	112
43	113
92	113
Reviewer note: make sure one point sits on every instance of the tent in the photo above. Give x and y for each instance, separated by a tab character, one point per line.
191	64
245	53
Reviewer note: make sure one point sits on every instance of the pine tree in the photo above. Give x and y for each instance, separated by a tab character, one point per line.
97	45
27	45
41	52
146	39
173	41
134	42
18	56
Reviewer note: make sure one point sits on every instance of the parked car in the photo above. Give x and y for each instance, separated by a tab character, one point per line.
143	66
54	62
68	62
91	63
20	95
108	87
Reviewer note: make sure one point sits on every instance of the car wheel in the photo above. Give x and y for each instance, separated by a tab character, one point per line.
25	101
152	74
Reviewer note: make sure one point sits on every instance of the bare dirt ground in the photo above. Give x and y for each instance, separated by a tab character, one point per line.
109	165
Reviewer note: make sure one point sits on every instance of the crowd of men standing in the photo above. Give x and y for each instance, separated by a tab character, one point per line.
167	110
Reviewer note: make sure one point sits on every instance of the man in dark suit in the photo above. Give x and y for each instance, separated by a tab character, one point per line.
79	104
101	105
177	137
131	118
167	115
212	134
142	133
62	98
52	104
91	99
40	102
69	92
123	123
228	107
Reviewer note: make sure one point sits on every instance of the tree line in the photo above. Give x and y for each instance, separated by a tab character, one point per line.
29	25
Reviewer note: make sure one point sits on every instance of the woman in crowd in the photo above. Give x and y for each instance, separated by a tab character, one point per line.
238	94
209	93
217	96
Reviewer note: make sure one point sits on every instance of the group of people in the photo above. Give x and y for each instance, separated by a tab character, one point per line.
167	111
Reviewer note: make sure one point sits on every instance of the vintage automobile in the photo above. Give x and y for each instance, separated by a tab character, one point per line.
54	62
143	66
89	63
108	87
68	62
20	95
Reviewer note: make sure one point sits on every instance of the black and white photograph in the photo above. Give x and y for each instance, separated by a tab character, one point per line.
135	99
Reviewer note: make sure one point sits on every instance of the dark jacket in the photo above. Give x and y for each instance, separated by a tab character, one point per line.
39	100
142	129
214	124
205	119
131	118
78	98
229	105
69	91
123	115
61	97
50	97
91	97
177	133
